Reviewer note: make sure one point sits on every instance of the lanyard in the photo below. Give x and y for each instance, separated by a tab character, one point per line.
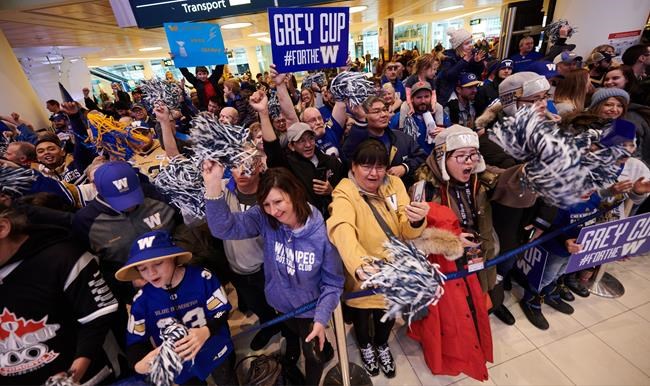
461	207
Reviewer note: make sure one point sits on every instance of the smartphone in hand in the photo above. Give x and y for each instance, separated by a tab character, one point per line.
417	194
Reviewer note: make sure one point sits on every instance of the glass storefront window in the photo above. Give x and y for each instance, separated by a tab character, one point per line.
408	37
439	32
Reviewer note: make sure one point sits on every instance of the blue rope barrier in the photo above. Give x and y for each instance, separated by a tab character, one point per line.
450	276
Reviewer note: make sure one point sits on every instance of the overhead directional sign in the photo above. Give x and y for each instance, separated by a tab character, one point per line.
154	13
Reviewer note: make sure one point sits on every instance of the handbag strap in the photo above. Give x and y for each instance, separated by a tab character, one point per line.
380	220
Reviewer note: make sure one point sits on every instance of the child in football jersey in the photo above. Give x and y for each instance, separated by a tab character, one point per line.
177	293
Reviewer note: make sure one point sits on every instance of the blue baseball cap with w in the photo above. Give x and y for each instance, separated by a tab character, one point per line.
118	184
149	247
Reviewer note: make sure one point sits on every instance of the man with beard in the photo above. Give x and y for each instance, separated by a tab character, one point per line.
461	109
599	63
421	93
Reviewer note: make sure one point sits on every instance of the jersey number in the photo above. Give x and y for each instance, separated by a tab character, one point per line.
193	318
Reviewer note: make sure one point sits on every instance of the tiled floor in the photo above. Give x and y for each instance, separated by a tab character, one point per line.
605	342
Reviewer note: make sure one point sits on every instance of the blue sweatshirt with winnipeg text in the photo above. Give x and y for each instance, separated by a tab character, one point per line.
300	265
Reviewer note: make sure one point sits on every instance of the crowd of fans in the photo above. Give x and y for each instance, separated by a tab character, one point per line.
95	261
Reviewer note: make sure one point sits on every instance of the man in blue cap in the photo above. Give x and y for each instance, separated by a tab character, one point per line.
119	213
460	107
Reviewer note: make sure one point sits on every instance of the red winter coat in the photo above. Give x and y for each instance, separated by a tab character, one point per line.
452	341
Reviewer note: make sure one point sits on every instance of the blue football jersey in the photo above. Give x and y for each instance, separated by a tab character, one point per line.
198	298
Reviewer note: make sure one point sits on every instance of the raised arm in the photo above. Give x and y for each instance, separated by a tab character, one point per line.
166	122
286	104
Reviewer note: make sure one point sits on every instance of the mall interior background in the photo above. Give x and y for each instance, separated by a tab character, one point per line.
80	43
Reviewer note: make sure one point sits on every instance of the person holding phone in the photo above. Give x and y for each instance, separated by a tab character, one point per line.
317	171
368	208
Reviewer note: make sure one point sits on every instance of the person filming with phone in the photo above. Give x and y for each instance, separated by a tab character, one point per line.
317	171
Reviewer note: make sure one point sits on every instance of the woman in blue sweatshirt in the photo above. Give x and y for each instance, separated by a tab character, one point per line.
300	263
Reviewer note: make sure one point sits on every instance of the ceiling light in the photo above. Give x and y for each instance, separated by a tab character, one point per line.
150	49
236	25
403	22
450	8
358	8
265	39
258	34
469	13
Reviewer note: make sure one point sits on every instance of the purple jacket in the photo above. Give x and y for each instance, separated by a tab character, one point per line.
299	265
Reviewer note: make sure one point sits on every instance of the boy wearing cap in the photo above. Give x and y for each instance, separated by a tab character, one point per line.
460	108
206	86
177	293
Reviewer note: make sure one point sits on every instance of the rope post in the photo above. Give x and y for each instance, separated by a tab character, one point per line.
606	285
341	345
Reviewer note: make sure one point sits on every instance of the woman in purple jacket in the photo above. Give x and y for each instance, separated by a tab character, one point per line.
300	263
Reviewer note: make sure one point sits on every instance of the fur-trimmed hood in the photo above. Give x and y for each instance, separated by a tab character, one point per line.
437	241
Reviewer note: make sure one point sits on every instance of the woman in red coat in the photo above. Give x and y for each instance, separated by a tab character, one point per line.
455	335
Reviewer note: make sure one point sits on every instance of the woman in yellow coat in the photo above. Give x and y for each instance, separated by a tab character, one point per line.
367	207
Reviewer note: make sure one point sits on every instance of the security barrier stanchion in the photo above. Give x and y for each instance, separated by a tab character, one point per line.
344	373
606	285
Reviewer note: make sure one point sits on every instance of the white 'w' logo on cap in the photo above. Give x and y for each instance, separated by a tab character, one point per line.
153	221
122	184
146	242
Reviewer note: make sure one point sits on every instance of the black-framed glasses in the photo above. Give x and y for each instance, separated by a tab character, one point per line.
463	158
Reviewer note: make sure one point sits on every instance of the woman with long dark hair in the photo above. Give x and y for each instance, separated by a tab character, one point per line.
300	263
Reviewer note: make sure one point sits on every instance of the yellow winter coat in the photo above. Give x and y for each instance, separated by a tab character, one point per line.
355	232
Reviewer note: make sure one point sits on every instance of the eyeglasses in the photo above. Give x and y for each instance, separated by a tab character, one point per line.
367	168
379	111
463	158
534	100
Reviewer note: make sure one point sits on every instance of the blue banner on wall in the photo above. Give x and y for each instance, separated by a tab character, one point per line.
196	44
309	38
532	265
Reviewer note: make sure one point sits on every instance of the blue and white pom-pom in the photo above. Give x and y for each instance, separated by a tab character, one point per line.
411	127
16	182
353	86
155	90
317	78
553	30
60	380
167	364
553	169
407	279
215	141
274	105
182	182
